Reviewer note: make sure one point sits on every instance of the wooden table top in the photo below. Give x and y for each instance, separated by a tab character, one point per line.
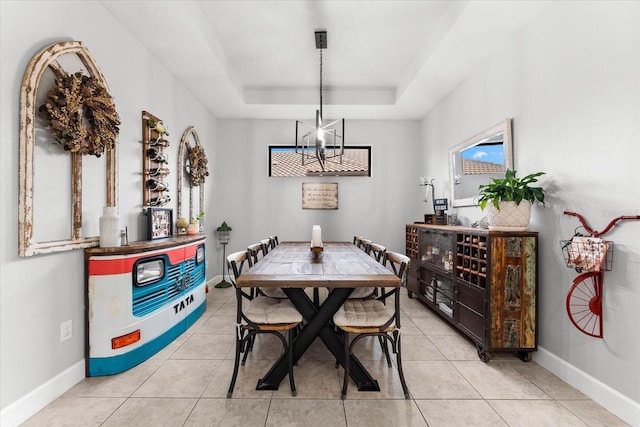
339	265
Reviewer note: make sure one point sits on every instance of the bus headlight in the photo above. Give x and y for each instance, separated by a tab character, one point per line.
148	272
199	254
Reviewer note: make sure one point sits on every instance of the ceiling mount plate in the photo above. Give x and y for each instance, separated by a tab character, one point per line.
321	39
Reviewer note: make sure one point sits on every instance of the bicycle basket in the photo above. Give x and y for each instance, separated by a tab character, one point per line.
587	254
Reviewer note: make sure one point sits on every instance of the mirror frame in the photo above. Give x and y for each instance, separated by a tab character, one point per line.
504	126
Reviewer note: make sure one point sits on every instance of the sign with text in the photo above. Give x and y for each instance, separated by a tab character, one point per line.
319	195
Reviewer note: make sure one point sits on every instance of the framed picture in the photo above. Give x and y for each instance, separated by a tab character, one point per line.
319	195
160	223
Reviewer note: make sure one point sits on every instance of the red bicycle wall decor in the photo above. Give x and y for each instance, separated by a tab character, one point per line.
590	256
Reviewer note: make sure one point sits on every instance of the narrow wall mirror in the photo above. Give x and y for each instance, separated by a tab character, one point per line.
478	159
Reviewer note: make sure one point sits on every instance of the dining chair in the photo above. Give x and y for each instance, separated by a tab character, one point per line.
257	251
260	315
274	241
267	244
371	317
377	252
361	242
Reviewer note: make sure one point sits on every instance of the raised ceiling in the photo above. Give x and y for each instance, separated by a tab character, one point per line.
384	60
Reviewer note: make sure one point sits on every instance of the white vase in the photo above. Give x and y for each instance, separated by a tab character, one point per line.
510	217
110	228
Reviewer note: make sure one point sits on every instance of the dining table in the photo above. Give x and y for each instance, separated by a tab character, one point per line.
338	266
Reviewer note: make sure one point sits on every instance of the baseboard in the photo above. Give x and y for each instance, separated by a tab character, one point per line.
32	402
614	401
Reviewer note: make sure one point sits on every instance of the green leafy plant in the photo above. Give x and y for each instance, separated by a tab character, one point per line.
511	188
195	219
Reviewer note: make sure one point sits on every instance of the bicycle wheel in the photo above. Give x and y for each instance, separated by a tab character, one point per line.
584	303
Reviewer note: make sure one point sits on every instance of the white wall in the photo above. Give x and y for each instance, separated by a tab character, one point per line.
40	292
571	83
256	205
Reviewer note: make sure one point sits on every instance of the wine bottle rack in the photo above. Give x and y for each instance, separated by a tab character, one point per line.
471	258
155	162
411	244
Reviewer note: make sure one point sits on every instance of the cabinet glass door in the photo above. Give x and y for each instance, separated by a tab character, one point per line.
437	249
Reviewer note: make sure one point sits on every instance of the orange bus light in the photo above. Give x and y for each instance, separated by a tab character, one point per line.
125	340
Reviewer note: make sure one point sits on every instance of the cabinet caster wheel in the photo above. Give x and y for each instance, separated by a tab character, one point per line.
410	294
525	356
484	355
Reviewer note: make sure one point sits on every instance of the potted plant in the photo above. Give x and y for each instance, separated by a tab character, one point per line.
508	200
194	227
181	225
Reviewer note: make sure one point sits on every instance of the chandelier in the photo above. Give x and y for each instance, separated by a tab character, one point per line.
323	142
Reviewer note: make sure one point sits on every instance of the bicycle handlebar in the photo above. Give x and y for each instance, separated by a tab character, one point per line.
613	223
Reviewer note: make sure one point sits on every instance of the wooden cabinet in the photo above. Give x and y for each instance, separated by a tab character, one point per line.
483	282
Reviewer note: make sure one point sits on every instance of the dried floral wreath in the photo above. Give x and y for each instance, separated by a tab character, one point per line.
197	167
81	115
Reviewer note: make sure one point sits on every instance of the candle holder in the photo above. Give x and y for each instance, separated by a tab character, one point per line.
316	252
223	236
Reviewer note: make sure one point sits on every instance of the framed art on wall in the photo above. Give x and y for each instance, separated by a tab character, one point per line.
319	195
159	223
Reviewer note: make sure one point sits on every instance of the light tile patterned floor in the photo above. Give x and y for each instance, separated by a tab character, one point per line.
186	384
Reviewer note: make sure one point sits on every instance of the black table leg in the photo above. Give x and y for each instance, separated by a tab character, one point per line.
318	324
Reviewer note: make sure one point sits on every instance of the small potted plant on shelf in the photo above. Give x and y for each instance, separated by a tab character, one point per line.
194	227
182	224
508	200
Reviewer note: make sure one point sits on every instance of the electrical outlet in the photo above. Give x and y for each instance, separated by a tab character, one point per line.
66	330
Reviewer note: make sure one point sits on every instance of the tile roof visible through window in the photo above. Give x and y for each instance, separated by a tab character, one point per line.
477	167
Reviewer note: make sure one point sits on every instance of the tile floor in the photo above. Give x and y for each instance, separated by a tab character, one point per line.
186	383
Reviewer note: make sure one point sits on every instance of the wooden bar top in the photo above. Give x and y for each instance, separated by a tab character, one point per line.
339	265
146	245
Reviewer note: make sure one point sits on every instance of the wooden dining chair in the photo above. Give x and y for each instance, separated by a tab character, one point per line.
377	252
274	241
361	242
257	251
267	244
260	315
371	317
